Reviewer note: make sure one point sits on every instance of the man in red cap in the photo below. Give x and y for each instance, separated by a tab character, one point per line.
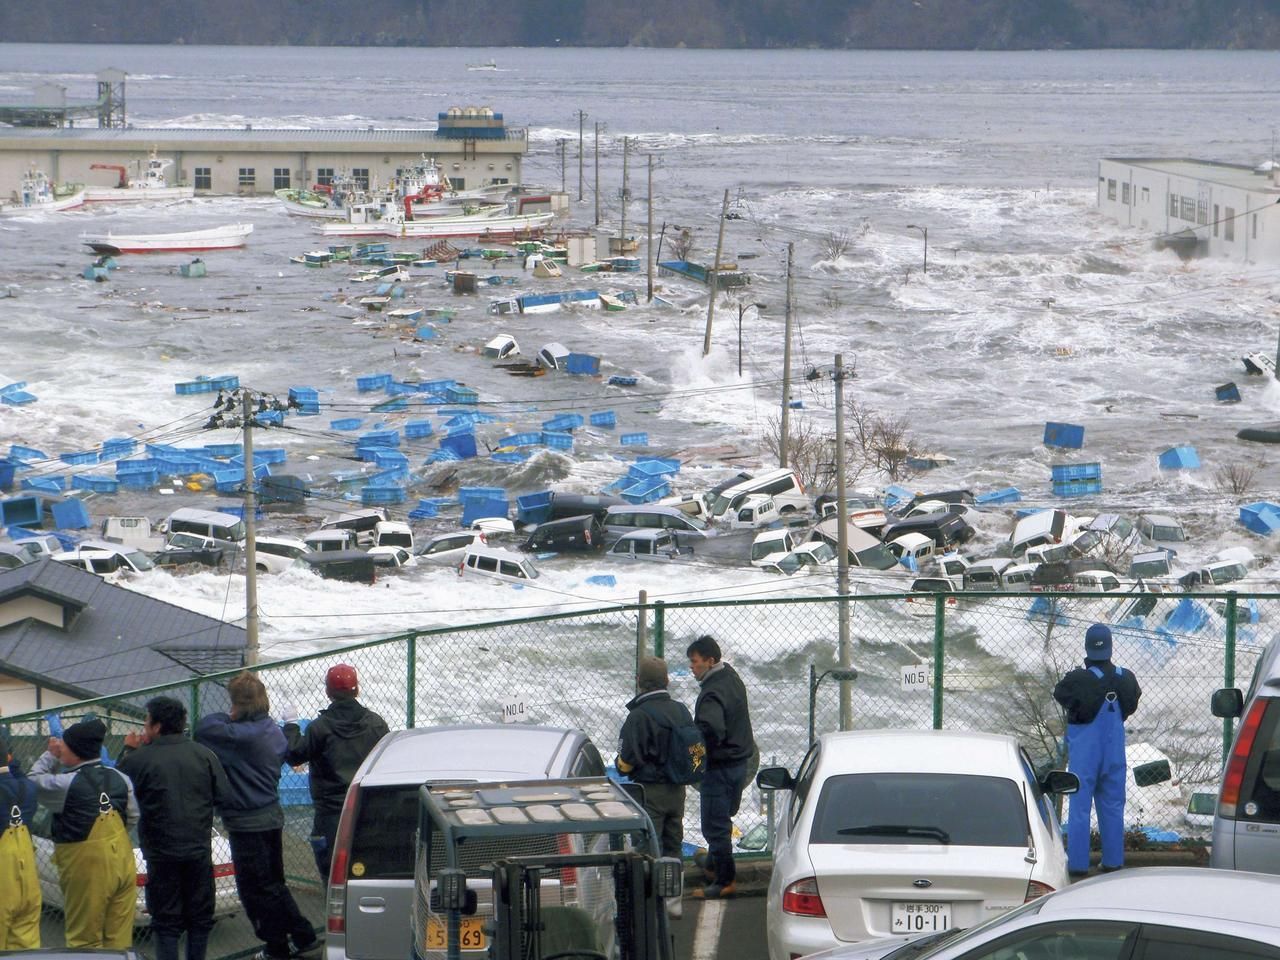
335	744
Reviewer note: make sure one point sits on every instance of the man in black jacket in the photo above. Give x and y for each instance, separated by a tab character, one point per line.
178	783
724	717
335	744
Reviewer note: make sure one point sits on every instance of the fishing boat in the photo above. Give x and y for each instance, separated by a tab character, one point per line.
487	65
217	238
39	193
151	184
426	186
386	221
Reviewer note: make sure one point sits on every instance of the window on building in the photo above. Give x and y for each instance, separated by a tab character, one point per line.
324	176
458	183
1173	204
1124	194
1188	212
1111	189
1202	212
361	176
248	179
204	178
280	178
500	180
1146	196
1229	224
1217	218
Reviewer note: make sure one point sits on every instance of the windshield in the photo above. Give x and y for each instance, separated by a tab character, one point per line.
920	808
818	553
697	523
719	505
788	564
1150	568
140	560
766	547
1203	803
1229	573
876	558
186	541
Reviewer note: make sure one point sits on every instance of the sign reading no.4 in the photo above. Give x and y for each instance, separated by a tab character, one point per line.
513	710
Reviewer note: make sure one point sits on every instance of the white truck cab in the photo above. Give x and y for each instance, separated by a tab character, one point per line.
756	511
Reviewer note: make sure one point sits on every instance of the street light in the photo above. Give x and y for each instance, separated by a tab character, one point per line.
925	232
844	675
741	309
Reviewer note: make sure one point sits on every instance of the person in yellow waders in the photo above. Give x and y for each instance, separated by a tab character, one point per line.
92	807
19	885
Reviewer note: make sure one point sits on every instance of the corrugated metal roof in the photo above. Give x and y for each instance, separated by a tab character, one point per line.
156	135
1211	171
119	641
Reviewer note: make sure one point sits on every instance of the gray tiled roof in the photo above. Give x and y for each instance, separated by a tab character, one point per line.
189	137
118	641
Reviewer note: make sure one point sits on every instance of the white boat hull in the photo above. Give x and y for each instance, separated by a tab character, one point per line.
136	194
296	209
62	203
217	238
445	227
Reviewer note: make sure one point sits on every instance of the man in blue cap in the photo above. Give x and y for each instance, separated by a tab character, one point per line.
1098	698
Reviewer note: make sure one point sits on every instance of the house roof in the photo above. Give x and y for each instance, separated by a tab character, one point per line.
117	640
1212	171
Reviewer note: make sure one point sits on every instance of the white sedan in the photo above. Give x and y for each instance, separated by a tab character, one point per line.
908	831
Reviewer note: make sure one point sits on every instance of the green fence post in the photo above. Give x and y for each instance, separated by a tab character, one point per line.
1229	672
939	629
411	684
659	628
195	703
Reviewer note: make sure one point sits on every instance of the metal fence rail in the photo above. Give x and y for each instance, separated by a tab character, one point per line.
980	662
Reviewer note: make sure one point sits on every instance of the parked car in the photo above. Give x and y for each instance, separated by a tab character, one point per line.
864	549
921	602
584	533
575	504
1039	528
944	528
448	548
393	533
641	516
649	545
783	485
497	564
190	548
276	554
500	347
391	557
371	881
756	511
770	543
226	902
332	539
354	566
912	546
863	512
12	556
39	545
136	532
987	574
554	356
1246	827
226	528
104	559
921	831
1154	912
1160	529
363	523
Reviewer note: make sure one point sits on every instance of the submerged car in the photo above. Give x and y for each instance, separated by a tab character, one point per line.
908	831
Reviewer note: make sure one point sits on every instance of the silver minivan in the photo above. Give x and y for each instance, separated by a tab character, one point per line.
371	886
1246	825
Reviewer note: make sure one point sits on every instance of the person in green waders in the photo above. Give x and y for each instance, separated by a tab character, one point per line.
19	886
92	806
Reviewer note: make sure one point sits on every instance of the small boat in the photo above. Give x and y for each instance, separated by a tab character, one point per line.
611	303
308	203
546	269
150	185
216	238
483	226
487	65
38	193
406	314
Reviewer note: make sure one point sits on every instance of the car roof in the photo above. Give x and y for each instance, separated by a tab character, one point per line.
644	508
205	516
1231	896
481	550
644	535
941	751
470	752
282	539
1162	518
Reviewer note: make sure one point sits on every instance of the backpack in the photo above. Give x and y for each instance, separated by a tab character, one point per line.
686	759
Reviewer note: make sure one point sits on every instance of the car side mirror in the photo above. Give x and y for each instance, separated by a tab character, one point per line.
1149	774
1061	782
775	778
1227	703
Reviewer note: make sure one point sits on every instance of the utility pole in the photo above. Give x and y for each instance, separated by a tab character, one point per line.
597	173
622	230
250	533
784	438
648	250
561	143
582	116
713	277
842	562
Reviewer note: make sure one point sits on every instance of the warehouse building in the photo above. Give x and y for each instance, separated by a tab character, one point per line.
472	146
1198	207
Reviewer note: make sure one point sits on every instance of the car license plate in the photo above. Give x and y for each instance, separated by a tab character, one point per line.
920	917
470	934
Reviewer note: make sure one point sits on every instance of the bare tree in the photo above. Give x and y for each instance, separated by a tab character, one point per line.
809	449
884	444
835	245
1235	478
682	243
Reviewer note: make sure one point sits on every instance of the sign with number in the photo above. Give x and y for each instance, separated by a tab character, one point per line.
513	710
915	676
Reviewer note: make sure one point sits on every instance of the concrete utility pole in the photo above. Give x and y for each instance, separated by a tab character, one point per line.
597	173
250	534
842	562
784	439
649	242
713	277
561	142
582	116
622	230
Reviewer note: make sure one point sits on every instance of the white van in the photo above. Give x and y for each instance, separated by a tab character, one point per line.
497	564
770	542
392	533
758	510
226	528
1041	527
782	485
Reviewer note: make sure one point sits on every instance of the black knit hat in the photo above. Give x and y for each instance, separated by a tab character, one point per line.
85	738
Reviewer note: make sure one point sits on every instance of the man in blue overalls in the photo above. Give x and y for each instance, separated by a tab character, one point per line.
1098	698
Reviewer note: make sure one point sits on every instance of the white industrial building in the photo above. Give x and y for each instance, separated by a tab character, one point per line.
472	146
1199	207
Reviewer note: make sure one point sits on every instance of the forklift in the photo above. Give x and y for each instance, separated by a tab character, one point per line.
542	870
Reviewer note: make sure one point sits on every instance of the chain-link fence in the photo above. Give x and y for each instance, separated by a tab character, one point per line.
983	662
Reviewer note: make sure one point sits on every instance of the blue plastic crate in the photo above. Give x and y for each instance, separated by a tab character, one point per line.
225	382
643	469
557	441
582	364
1180	458
136	466
226	450
1003	495
417	429
1069	435
267	418
229	480
118	447
1262	517
646	491
425	333
379	438
87	456
461	395
21	512
895	494
479	508
6	474
70	515
44	484
96	484
461	446
521	440
393	405
634	439
375	381
436	386
605	418
509	456
189	387
270	455
371	495
304	394
564	422
1227	393
22	454
139	479
346	423
384	457
1077	488
616	381
1062	472
533	508
397	389
15	397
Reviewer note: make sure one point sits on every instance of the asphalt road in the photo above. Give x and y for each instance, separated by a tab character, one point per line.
725	928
